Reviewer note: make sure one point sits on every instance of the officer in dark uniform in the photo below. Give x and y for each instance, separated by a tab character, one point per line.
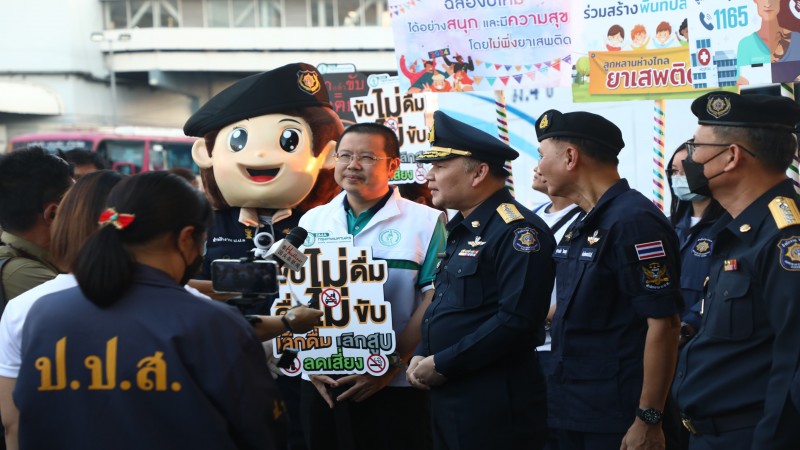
615	329
493	285
734	378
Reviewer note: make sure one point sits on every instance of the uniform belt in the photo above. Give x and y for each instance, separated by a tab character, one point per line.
722	424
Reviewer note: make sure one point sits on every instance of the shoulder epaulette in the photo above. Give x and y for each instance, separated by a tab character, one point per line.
784	211
509	212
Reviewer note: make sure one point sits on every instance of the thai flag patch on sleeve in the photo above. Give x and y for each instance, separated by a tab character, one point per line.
650	250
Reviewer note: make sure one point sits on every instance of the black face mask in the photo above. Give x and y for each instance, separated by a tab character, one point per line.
698	182
192	270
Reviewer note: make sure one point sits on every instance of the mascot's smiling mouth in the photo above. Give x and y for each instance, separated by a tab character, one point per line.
262	175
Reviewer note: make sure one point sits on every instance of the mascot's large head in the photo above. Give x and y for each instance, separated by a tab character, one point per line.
267	141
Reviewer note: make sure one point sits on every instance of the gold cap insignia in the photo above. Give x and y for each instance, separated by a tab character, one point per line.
441	153
544	123
509	212
745	228
784	211
718	106
308	81
431	134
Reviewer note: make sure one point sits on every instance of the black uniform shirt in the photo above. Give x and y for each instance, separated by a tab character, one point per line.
616	267
492	288
748	347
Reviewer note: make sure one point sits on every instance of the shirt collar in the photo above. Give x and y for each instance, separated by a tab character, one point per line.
374	208
747	225
477	219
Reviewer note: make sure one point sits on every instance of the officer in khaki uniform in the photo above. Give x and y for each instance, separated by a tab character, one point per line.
734	378
493	285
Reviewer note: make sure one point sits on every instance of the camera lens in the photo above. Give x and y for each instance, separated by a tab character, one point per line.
263	240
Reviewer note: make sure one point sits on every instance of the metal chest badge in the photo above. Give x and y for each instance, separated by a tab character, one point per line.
594	238
477	242
526	240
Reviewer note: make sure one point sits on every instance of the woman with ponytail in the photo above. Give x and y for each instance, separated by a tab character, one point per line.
129	359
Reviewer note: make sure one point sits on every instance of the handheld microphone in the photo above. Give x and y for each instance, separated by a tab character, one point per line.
285	251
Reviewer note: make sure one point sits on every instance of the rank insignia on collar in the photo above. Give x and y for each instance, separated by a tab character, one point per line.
655	276
248	233
475	224
730	265
745	228
509	212
784	211
593	239
477	242
567	236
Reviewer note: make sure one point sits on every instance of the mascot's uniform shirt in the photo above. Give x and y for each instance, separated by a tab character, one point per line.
492	296
415	235
615	268
230	239
739	367
176	372
695	264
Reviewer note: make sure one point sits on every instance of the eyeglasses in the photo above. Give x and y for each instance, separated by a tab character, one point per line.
691	147
364	160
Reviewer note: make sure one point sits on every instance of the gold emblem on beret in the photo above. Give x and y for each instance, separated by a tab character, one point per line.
431	135
308	81
718	106
544	123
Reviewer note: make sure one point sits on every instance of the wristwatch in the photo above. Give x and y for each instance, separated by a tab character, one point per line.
396	361
286	319
650	416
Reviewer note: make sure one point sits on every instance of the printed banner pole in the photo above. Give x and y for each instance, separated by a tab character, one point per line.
502	130
787	90
658	153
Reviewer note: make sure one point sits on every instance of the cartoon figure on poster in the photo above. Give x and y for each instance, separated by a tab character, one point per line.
265	156
775	40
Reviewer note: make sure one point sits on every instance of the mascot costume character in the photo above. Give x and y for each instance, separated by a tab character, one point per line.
266	156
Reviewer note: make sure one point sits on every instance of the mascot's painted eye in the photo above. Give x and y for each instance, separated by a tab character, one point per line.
290	139
237	139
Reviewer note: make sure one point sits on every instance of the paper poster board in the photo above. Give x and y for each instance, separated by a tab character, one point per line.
469	45
355	335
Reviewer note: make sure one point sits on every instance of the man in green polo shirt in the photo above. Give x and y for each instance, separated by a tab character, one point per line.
32	183
365	411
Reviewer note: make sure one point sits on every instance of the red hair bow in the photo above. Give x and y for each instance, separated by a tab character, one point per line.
120	221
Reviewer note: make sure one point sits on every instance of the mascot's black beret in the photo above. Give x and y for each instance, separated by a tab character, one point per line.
292	86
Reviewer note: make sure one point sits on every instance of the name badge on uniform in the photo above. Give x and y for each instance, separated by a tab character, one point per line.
561	252
587	254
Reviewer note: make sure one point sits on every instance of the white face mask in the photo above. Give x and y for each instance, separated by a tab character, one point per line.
681	189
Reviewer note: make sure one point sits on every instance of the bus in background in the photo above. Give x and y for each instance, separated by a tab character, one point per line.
128	150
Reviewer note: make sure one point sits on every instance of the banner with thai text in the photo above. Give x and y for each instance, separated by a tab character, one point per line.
402	112
744	43
355	334
632	50
468	45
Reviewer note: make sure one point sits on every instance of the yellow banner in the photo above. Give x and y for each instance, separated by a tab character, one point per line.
640	72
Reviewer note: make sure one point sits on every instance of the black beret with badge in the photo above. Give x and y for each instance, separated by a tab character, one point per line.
751	110
582	125
450	138
292	86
